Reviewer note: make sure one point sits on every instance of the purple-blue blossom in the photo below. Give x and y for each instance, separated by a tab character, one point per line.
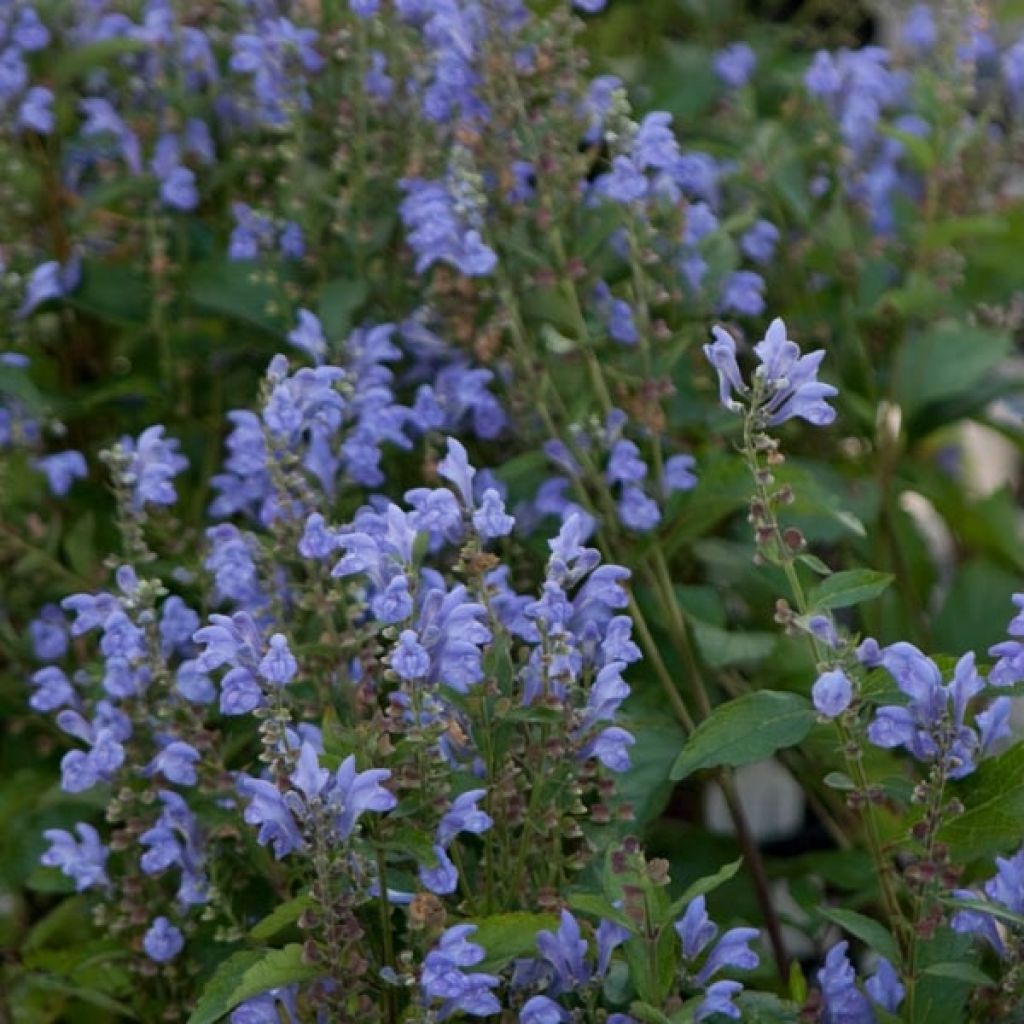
163	941
832	693
61	470
444	978
153	463
177	763
735	64
83	860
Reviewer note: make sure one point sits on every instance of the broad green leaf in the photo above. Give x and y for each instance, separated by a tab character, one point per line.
723	648
873	934
945	360
745	730
961	970
339	300
246	974
279	918
236	290
506	936
994	798
842	589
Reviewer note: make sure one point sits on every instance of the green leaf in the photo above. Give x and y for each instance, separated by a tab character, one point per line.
279	918
843	589
961	971
946	360
815	564
994	798
339	300
599	906
15	382
722	648
702	886
235	290
647	1014
246	974
83	58
873	934
506	936
745	730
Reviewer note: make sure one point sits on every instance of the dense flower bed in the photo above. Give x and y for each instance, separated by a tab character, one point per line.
428	475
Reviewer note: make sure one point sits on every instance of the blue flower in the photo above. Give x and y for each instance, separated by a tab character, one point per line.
443	879
1009	667
438	232
919	31
49	634
759	242
309	336
53	690
445	979
36	111
742	293
278	666
931	725
410	658
163	941
678	473
832	693
735	64
153	463
176	762
696	932
566	951
842	1000
83	860
637	511
464	816
1005	889
540	1009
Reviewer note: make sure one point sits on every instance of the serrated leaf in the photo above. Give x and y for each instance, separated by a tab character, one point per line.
745	730
246	974
873	934
842	589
